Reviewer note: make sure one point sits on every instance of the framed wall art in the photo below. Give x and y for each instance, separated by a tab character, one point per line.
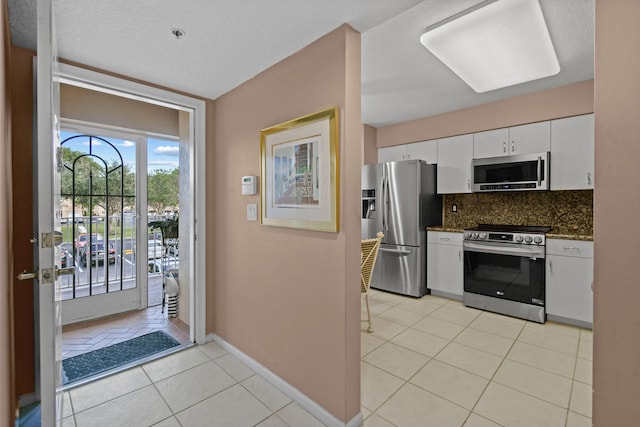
299	173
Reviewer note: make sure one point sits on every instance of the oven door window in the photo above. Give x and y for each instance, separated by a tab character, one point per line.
515	278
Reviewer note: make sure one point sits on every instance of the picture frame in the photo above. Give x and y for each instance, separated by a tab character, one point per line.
299	173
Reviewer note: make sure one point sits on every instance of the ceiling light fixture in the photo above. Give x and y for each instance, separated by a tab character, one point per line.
496	44
178	33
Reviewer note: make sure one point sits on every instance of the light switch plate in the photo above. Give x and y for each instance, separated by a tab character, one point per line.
252	211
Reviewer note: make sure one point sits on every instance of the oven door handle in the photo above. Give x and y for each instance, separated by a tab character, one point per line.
538	252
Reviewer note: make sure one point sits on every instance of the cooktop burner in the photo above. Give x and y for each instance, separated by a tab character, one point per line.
510	228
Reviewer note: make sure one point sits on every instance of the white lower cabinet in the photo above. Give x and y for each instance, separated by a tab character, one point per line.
569	294
444	264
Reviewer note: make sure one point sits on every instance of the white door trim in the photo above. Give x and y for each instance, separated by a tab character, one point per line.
197	145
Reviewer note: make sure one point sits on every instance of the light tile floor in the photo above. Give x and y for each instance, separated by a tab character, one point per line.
429	362
200	386
435	362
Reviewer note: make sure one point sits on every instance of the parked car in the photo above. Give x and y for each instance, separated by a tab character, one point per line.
82	239
155	249
96	253
64	258
160	265
173	250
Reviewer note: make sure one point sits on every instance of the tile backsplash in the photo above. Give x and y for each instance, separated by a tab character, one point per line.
568	212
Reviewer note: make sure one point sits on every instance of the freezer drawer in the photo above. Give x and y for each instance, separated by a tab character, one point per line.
401	269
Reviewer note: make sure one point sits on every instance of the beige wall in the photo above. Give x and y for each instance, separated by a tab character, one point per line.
616	369
6	342
369	149
98	107
565	101
289	298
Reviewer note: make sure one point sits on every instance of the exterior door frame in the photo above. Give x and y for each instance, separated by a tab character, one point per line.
196	110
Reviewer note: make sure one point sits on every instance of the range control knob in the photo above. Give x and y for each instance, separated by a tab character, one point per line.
483	236
537	240
519	238
528	239
475	235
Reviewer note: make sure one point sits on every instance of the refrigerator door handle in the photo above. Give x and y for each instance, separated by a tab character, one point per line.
395	251
384	198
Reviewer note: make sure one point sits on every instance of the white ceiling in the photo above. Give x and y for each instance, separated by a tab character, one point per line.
228	42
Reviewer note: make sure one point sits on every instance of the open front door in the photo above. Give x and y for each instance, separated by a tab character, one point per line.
48	234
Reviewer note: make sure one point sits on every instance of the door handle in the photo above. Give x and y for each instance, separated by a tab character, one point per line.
395	251
27	275
539	171
65	271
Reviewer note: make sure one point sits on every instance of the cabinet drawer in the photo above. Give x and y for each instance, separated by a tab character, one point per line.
573	248
444	238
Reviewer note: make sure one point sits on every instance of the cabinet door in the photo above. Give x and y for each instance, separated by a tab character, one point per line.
568	288
444	269
572	153
424	150
531	138
392	154
491	143
454	164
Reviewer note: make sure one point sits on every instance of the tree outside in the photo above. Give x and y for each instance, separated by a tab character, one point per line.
100	184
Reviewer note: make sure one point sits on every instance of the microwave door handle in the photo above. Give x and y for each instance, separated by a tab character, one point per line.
539	171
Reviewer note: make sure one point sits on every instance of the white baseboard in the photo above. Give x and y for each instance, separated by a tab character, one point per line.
296	395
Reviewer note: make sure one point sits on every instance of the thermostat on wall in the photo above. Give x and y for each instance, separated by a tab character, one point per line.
249	185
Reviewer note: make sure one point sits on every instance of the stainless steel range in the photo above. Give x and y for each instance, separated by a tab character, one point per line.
504	270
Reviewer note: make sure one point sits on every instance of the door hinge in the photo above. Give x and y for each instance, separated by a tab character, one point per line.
59	160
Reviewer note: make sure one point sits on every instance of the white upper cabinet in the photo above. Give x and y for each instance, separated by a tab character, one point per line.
491	143
525	139
531	138
424	150
392	154
572	153
454	164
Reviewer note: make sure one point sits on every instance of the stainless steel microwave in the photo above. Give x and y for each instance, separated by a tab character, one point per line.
522	172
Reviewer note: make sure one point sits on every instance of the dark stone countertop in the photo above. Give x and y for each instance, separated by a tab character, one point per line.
564	235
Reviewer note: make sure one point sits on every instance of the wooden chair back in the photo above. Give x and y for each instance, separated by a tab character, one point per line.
369	248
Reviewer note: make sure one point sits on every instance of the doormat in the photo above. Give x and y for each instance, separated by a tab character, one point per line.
101	360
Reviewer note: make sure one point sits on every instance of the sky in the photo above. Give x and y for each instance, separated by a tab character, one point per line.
161	154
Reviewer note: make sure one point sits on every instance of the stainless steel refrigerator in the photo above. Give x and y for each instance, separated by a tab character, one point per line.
399	199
